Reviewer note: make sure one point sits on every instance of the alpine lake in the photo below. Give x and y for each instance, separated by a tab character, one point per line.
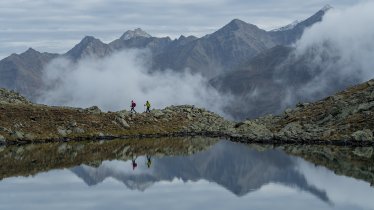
185	173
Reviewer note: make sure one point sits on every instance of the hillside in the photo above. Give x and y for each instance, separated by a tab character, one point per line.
345	118
24	122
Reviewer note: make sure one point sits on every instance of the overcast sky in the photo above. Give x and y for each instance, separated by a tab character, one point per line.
57	25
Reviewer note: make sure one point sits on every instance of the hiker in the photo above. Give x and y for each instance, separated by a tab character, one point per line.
148	106
149	161
134	164
133	105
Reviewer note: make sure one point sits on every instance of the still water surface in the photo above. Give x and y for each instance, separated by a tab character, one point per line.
225	175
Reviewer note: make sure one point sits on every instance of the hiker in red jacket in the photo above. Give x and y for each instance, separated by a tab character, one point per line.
133	105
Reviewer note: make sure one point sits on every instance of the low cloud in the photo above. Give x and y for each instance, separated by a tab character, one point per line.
343	41
112	82
337	53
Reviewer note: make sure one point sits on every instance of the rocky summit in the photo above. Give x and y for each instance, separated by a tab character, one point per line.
345	118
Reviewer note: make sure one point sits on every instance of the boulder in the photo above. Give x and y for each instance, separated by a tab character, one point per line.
78	130
365	106
73	124
5	129
63	148
157	113
123	113
365	152
363	135
93	110
20	150
29	136
17	134
122	122
288	111
63	131
2	140
293	131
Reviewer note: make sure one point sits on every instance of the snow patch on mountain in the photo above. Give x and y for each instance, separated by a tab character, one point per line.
135	33
288	27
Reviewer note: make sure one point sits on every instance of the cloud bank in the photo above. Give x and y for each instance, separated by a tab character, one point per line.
112	82
338	52
346	36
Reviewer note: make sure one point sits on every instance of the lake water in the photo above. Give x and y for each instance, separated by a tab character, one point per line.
215	175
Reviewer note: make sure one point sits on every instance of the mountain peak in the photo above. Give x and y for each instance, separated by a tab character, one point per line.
236	25
88	39
326	8
88	46
30	50
237	22
138	32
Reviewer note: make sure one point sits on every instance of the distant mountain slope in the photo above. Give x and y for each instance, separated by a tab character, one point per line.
280	78
89	47
215	52
254	85
139	39
23	72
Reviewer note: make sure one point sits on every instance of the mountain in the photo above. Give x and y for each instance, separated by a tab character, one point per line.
23	72
89	47
216	56
217	52
223	50
219	164
139	39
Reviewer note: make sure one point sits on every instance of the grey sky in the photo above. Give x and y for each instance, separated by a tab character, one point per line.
56	25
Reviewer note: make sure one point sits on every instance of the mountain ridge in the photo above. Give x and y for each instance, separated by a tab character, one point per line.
212	56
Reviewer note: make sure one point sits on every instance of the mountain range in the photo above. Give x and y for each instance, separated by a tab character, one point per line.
239	59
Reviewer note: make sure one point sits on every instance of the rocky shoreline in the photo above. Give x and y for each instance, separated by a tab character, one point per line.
346	118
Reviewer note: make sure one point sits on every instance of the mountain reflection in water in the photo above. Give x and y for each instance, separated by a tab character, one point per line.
185	173
235	167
